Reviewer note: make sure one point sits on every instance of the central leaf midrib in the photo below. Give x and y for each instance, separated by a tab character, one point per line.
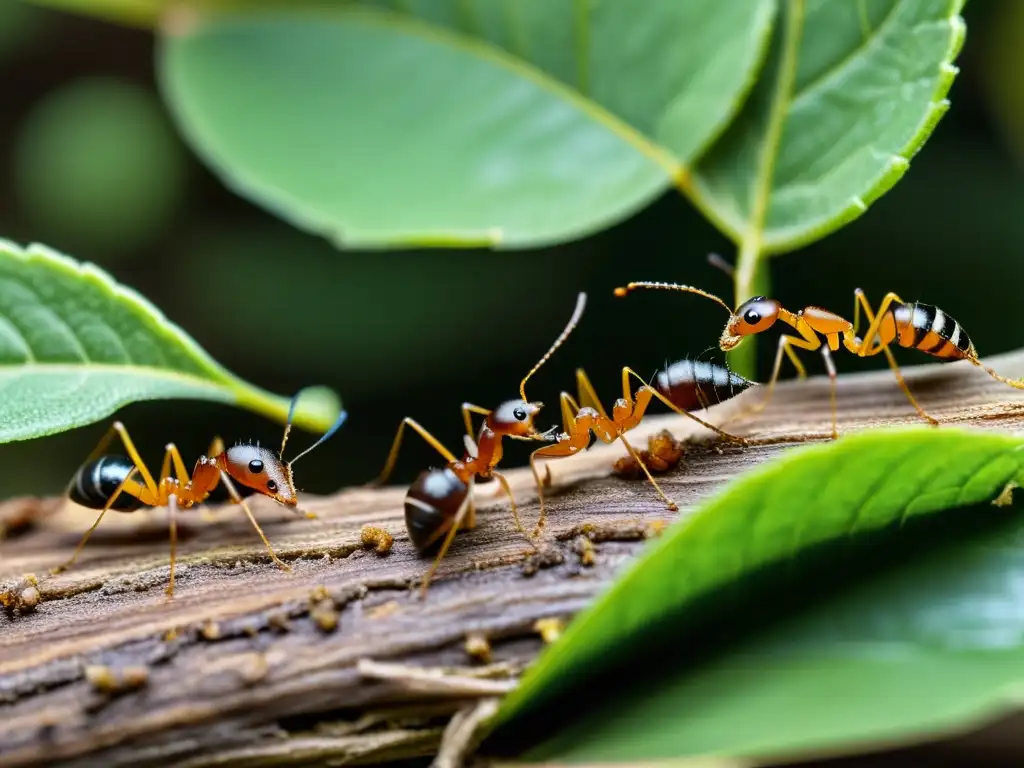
407	22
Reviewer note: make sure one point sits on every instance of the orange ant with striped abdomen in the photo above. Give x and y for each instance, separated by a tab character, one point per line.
440	501
125	484
923	327
579	422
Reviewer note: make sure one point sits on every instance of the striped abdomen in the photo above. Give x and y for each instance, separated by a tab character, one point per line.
95	482
692	384
928	329
431	506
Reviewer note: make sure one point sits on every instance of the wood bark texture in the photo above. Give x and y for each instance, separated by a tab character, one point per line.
340	661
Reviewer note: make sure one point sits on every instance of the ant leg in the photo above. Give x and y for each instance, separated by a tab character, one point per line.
588	395
558	450
875	321
467	409
636	456
456	523
118	429
237	499
511	500
641	407
785	347
830	367
393	455
172	518
125	486
866	350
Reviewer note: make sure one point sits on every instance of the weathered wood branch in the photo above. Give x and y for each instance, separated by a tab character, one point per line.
252	666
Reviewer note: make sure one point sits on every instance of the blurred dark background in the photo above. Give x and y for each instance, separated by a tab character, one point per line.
90	165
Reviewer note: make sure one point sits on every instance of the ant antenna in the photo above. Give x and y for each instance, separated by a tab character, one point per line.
342	417
719	263
581	303
622	291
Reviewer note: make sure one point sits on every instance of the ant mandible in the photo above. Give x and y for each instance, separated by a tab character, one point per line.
678	389
923	327
440	501
106	481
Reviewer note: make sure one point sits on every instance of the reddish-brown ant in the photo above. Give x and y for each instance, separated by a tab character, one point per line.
106	482
440	501
913	325
627	412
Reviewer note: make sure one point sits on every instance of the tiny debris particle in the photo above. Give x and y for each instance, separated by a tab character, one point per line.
21	596
663	452
549	629
1005	497
116	681
210	630
585	549
478	647
376	539
325	616
318	593
545	558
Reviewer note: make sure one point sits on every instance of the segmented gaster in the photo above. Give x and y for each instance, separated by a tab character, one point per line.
432	504
930	330
692	384
95	483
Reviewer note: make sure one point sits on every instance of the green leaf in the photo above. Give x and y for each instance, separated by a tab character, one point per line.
925	646
75	346
461	123
851	91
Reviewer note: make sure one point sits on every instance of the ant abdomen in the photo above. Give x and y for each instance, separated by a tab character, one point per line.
432	505
693	384
95	482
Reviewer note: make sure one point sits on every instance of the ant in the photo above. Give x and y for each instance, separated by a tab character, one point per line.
679	387
440	501
110	481
914	325
689	384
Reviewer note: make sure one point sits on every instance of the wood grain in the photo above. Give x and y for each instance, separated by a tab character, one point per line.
246	667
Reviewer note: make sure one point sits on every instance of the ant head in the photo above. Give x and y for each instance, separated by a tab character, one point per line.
266	472
263	471
752	316
515	419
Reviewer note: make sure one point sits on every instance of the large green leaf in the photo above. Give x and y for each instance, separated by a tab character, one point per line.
75	346
454	122
850	92
929	645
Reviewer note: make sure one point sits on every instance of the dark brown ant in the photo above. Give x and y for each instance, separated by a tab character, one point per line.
125	484
913	325
689	385
440	501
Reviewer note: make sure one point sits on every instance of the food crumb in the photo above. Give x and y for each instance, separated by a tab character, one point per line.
377	539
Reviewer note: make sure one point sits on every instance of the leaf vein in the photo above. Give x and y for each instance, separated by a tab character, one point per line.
836	70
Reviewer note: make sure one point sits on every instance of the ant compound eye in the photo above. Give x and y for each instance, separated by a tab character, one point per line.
255	466
752	317
520	414
271	486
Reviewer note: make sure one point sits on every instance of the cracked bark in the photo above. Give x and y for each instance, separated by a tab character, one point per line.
252	666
